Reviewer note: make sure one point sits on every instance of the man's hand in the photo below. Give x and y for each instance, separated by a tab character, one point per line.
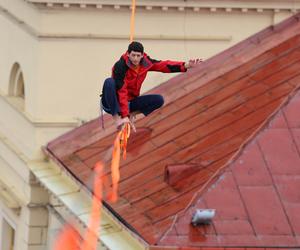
121	121
192	63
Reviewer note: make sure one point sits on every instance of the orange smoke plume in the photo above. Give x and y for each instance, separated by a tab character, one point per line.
69	239
91	237
120	145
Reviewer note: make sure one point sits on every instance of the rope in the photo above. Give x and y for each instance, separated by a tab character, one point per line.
132	20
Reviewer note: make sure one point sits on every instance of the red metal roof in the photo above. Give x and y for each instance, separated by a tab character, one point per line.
257	197
210	114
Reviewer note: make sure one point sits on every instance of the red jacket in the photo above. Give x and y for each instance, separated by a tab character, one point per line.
129	81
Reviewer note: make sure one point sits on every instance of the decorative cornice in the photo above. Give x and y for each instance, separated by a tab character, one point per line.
9	199
138	37
173	5
212	6
44	35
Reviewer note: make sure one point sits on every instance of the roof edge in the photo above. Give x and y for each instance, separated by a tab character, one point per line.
71	193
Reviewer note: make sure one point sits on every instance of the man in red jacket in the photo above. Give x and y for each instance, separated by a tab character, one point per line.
121	92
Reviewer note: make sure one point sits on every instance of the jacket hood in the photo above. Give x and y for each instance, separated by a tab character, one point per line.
145	62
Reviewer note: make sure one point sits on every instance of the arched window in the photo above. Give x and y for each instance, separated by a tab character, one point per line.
16	85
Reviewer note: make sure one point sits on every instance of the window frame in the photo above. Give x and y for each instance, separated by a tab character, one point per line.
10	222
16	87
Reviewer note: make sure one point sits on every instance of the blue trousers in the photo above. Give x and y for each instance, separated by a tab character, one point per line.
144	104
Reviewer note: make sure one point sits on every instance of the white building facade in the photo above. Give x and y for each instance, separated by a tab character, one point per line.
55	54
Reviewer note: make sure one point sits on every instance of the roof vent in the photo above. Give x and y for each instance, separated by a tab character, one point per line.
175	173
203	217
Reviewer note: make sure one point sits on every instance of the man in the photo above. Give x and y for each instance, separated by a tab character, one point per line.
121	93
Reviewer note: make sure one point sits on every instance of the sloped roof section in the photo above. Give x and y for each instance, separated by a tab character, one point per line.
209	114
257	198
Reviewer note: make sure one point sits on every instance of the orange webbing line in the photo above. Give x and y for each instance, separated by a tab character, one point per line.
69	239
132	20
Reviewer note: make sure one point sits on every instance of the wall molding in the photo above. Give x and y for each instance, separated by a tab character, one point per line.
178	5
61	36
51	122
243	7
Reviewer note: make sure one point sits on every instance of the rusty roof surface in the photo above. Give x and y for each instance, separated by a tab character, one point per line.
181	150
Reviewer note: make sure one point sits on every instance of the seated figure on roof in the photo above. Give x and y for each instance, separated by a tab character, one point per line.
121	92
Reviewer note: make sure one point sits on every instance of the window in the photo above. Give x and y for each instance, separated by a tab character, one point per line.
16	89
7	234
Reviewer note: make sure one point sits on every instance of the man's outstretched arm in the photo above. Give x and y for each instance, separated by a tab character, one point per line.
169	66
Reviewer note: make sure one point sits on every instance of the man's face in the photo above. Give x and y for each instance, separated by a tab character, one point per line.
135	57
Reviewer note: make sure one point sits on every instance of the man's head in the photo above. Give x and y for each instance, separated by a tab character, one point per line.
135	52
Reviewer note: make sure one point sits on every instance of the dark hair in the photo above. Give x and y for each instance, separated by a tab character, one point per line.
135	46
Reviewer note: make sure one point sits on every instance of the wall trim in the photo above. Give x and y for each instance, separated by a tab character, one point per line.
53	122
178	5
244	7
